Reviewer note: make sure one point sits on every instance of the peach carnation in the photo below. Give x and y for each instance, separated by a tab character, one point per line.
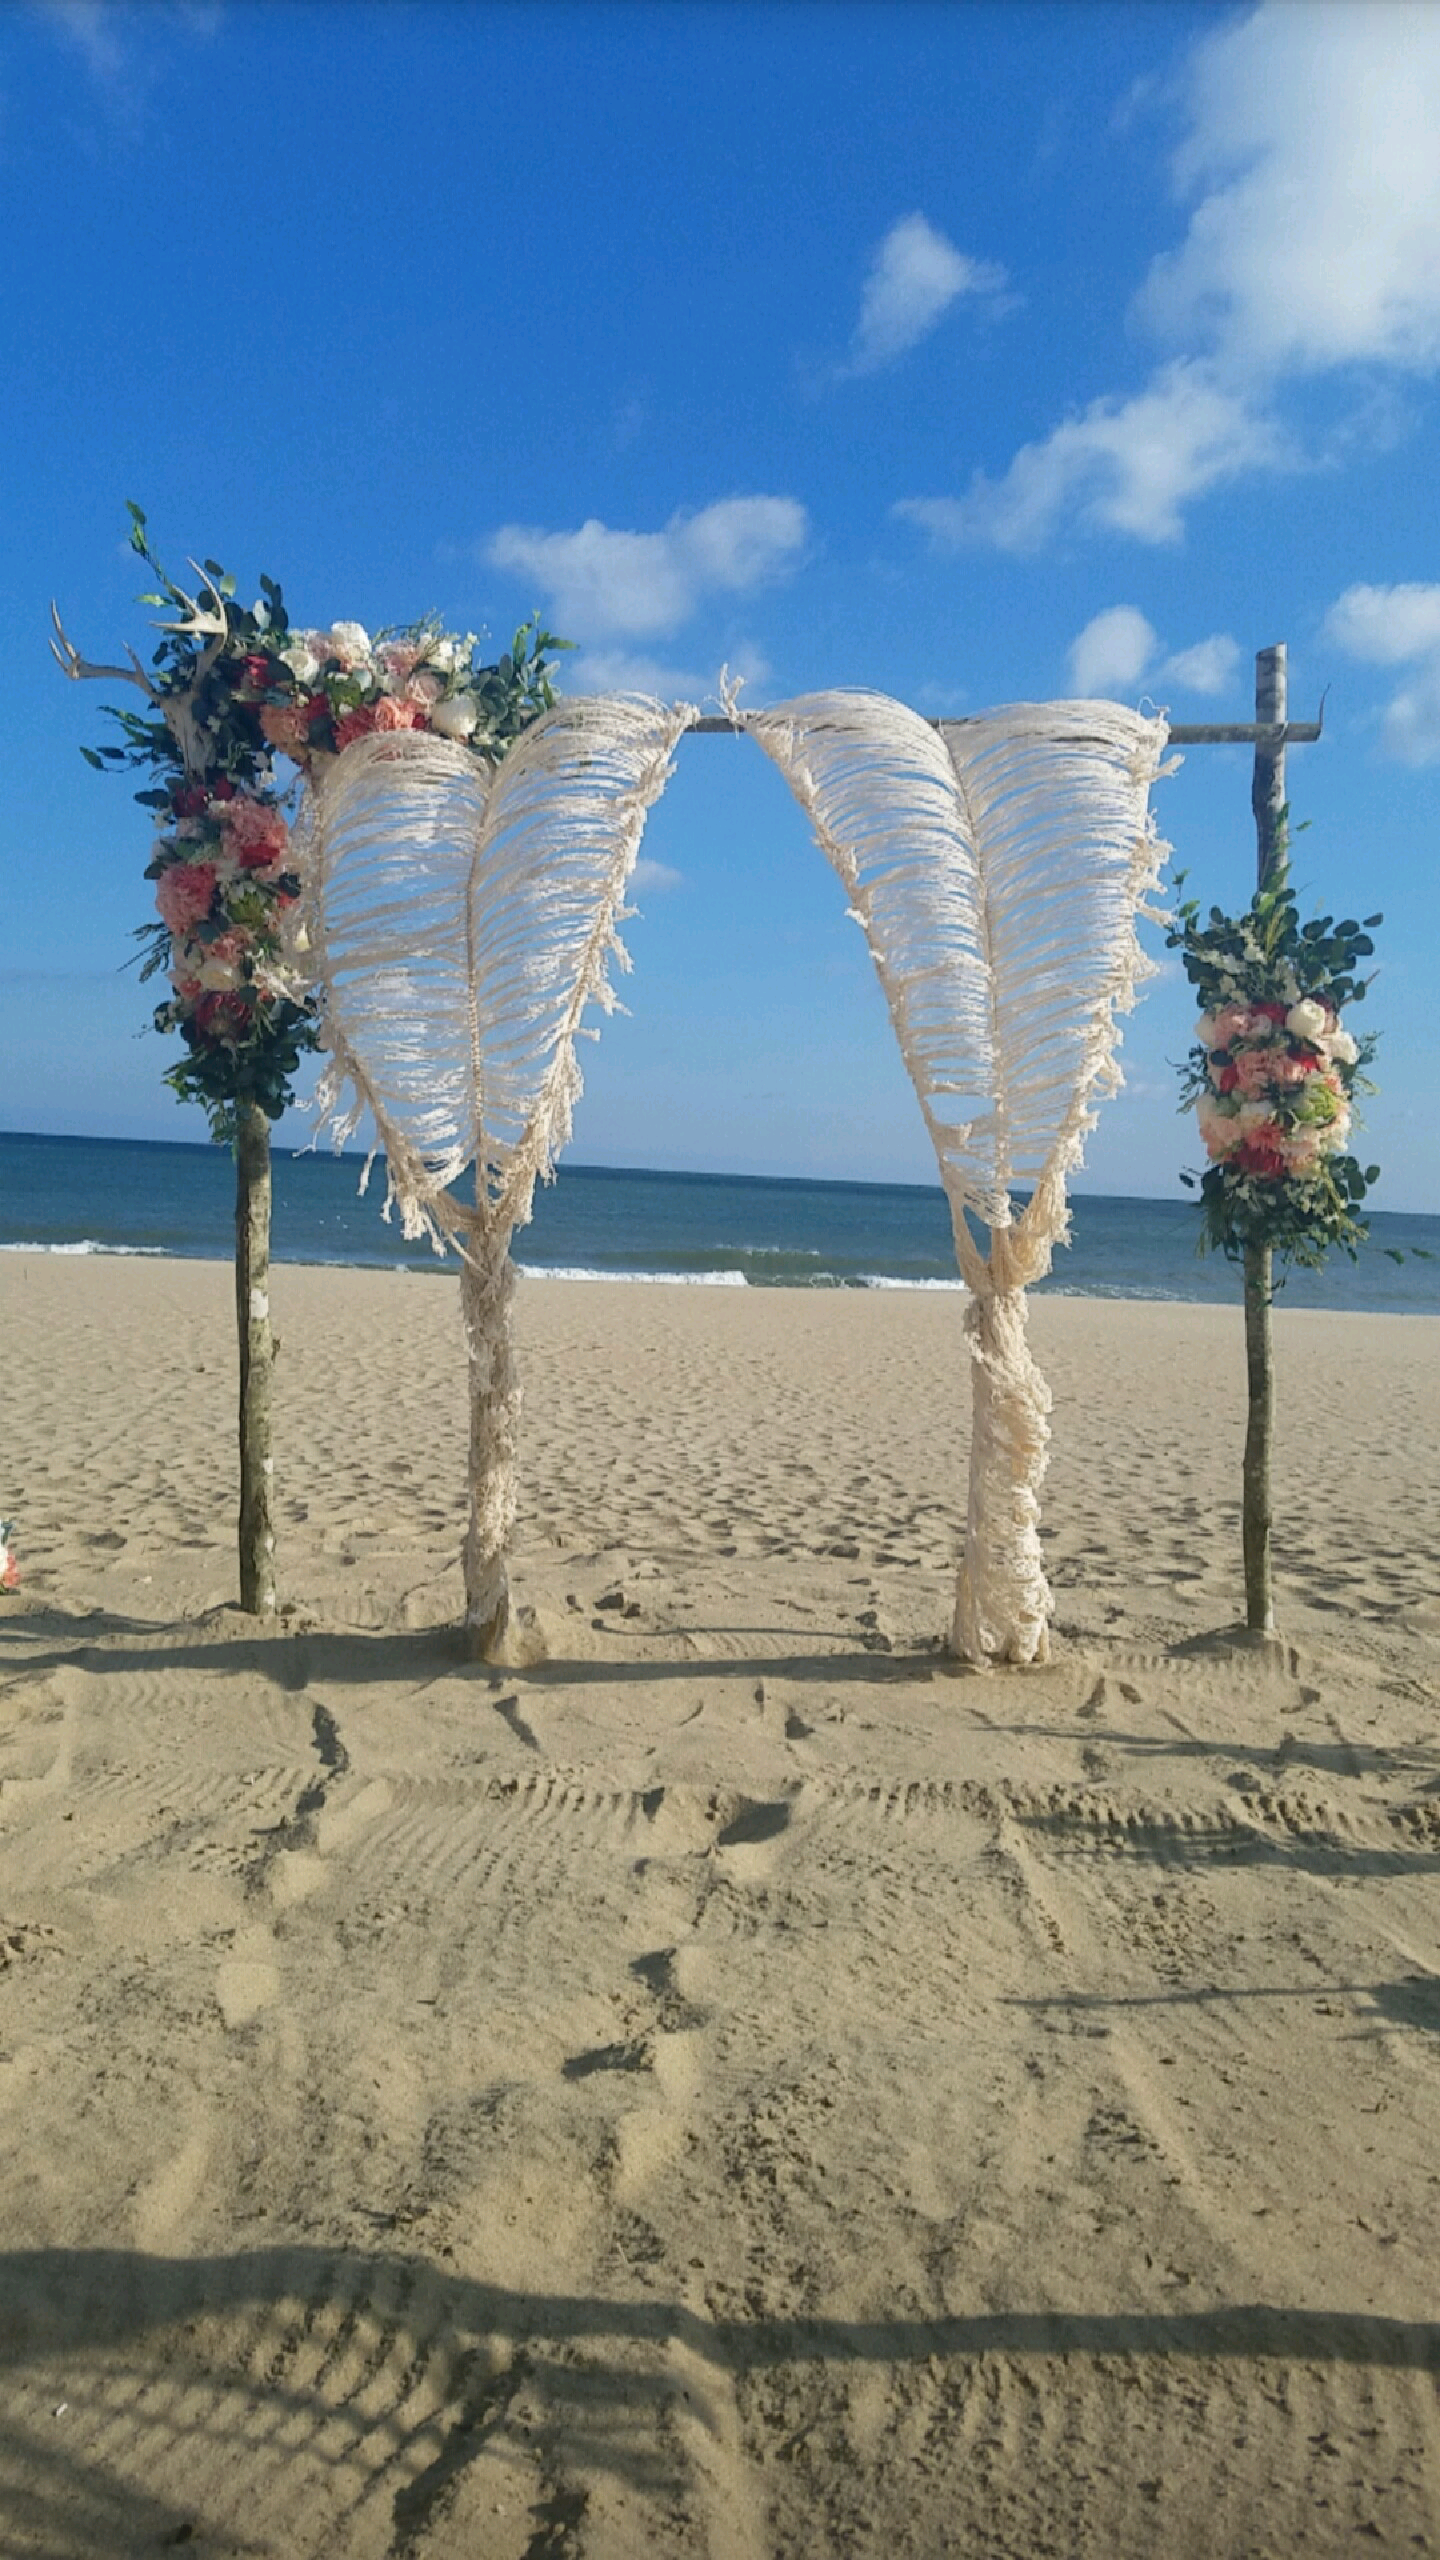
386	714
286	728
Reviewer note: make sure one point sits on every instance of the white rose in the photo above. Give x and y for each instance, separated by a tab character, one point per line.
300	657
216	975
1307	1019
350	643
1205	1031
1344	1048
457	718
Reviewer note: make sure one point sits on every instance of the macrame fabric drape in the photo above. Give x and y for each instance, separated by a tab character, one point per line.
996	868
460	921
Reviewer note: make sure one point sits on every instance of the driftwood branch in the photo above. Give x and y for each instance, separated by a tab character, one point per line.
1267	799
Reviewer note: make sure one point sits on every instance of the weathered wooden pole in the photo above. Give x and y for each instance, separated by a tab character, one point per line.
257	1354
1267	799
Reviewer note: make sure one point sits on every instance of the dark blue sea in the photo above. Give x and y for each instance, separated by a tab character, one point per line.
100	1195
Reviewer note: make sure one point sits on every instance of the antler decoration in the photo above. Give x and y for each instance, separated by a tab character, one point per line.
68	659
207	621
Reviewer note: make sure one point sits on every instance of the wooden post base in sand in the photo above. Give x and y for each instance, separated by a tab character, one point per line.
257	1355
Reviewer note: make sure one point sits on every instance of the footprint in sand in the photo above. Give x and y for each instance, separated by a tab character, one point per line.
249	1980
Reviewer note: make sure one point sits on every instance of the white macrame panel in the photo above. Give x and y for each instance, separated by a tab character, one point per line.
461	923
996	868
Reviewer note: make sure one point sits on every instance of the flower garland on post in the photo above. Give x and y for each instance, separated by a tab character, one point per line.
228	689
1272	1078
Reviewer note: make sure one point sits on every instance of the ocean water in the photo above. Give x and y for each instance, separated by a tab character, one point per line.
97	1195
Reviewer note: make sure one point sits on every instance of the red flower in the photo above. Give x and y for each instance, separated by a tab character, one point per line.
354	724
1261	1155
255	670
1273	1012
1228	1079
223	1016
224	789
189	800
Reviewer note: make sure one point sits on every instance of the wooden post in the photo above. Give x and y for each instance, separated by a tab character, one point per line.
1267	799
257	1352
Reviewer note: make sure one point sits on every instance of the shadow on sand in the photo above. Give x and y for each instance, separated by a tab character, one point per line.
209	2353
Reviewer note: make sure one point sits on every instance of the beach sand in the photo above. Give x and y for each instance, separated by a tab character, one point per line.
742	2088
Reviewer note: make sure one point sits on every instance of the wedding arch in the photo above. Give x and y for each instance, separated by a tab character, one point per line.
459	924
444	908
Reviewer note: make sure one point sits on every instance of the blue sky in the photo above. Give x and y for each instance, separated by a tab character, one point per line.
975	354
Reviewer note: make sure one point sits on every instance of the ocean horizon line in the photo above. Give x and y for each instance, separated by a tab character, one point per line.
360	1156
78	1197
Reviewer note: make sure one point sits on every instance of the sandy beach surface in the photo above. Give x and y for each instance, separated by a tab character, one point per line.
740	2088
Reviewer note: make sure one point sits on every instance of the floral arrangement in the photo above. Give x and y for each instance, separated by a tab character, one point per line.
1273	1074
228	689
9	1569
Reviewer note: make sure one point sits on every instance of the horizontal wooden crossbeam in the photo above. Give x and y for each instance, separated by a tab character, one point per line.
1223	733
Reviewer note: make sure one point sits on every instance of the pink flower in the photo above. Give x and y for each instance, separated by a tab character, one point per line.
1230	1024
1287	1070
255	837
1253	1071
399	659
183	894
1220	1130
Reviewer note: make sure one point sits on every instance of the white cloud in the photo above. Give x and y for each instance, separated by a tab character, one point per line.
1119	646
1122	466
1112	651
629	671
915	275
1316	239
94	28
637	585
107	36
1313	244
1390	627
1386	625
632	671
649	874
1411	728
1207	666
